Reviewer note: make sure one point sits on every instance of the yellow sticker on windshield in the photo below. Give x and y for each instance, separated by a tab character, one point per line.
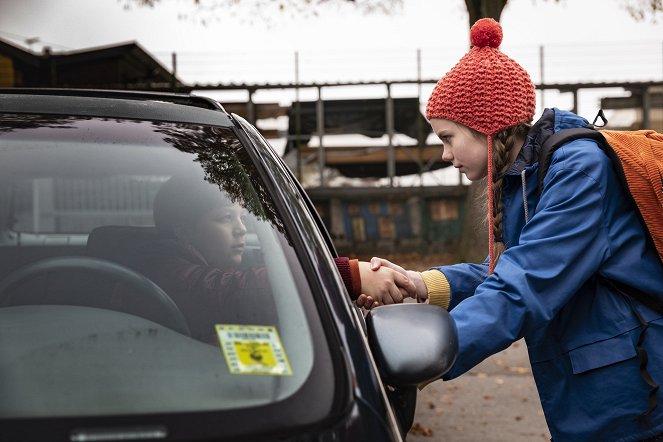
253	349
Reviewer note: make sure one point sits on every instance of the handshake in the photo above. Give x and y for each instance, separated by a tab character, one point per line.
383	283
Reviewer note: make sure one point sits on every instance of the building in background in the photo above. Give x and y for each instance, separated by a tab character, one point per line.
121	66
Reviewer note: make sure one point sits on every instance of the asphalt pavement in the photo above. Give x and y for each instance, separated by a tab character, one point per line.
495	401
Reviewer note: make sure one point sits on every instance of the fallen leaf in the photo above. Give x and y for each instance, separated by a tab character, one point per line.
421	431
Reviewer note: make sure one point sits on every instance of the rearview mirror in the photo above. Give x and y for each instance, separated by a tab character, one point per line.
412	343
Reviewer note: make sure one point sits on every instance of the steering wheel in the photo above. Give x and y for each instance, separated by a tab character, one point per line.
173	317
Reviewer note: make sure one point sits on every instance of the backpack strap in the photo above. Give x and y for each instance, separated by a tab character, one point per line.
650	301
559	138
632	293
564	136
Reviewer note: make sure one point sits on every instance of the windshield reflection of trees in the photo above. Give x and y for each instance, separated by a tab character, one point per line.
224	160
13	122
226	164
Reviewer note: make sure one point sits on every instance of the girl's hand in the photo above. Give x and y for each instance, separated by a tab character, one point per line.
421	292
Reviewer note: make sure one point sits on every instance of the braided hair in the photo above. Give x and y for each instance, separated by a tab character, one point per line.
503	144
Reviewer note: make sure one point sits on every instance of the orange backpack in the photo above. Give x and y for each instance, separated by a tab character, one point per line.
641	155
637	157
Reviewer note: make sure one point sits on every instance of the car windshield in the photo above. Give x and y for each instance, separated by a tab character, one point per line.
145	271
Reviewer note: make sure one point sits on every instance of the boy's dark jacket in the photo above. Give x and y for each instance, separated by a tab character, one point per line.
205	294
580	335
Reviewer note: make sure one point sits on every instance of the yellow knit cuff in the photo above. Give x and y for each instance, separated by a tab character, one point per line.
439	292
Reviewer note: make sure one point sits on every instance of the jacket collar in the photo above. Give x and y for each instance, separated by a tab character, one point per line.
551	121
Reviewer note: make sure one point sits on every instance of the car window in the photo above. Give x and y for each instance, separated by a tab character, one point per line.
144	269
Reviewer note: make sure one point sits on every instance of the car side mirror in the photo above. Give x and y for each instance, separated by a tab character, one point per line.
412	343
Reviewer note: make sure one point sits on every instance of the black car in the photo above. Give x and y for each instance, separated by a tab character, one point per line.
104	336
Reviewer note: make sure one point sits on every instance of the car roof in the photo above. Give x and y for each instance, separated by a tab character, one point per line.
178	108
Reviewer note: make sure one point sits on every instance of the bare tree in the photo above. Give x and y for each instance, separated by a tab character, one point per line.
484	8
643	9
266	11
261	10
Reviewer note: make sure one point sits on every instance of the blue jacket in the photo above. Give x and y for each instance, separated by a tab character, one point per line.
581	336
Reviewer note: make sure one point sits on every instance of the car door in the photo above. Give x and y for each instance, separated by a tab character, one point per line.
398	403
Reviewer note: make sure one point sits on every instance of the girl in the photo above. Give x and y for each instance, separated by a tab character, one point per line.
550	256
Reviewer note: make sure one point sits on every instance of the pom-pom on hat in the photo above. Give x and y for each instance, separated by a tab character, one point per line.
486	90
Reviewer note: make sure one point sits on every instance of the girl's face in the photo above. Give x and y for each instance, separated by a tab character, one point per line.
220	236
464	148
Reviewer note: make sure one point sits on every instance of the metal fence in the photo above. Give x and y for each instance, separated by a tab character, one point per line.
552	63
569	76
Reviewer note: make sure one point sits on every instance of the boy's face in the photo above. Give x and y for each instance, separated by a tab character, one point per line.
463	148
220	236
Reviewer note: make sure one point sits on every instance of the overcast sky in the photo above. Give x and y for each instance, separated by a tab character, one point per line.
77	24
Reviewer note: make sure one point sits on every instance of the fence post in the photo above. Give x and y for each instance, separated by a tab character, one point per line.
173	77
421	142
541	73
320	114
298	119
389	115
250	107
646	107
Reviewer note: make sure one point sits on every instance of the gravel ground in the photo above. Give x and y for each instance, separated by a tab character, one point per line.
496	401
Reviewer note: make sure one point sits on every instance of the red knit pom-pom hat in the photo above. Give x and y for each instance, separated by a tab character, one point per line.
486	91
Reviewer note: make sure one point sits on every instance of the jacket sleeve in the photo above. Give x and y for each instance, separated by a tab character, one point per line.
349	270
561	247
463	280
